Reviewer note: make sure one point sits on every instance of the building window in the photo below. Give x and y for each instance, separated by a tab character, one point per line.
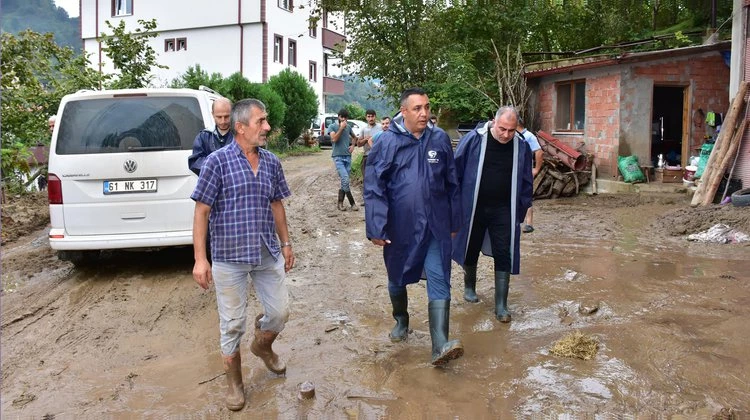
571	106
292	53
169	45
278	45
325	65
313	71
313	30
286	4
181	44
324	18
122	7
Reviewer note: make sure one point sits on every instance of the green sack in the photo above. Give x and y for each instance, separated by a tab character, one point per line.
703	160
629	168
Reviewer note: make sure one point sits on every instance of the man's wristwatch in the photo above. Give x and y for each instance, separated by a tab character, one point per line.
285	244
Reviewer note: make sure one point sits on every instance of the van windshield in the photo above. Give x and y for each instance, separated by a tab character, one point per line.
119	125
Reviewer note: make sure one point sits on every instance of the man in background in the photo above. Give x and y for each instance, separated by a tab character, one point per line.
211	140
494	169
365	140
384	124
341	137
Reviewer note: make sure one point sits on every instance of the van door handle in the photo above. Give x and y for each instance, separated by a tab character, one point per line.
132	216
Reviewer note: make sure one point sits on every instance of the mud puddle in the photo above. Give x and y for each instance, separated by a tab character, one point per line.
134	337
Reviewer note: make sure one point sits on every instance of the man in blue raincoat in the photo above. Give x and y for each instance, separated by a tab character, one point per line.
494	170
412	209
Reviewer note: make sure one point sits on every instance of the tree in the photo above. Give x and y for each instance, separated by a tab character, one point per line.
41	16
451	48
396	44
356	112
237	87
300	99
195	77
364	92
131	54
36	74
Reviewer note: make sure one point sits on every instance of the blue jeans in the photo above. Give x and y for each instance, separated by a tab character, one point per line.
231	282
438	287
343	167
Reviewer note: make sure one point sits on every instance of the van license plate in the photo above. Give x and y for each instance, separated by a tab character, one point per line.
131	186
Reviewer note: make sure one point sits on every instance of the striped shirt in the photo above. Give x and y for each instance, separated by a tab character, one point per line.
241	219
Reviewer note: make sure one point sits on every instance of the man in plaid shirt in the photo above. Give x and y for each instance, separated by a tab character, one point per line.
240	189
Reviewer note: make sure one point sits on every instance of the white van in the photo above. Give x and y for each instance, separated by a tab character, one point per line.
118	171
320	123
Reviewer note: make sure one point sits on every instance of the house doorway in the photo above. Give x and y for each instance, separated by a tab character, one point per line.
668	124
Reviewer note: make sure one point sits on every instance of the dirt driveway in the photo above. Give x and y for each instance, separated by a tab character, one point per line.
133	336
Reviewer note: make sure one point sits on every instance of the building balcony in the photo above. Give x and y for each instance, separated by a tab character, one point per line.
333	40
332	86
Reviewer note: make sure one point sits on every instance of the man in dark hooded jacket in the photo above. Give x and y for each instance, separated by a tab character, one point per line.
412	209
494	170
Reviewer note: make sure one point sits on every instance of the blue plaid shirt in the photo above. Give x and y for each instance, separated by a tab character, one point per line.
241	219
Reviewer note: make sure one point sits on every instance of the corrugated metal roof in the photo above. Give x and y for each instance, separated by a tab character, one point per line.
544	68
39	155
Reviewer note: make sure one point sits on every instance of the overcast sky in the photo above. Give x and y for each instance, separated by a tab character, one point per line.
70	6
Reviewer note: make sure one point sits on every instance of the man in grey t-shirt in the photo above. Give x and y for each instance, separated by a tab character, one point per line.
371	129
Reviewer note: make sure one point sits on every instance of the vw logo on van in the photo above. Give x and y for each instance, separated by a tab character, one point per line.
130	166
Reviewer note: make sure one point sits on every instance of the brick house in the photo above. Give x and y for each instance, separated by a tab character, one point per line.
643	103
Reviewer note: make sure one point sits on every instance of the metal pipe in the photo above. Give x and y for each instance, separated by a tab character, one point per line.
569	156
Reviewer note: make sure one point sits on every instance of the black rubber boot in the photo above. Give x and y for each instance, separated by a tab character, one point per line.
340	205
443	350
352	205
400	305
470	283
502	284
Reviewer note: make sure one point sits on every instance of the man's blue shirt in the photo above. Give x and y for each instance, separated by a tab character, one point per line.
241	219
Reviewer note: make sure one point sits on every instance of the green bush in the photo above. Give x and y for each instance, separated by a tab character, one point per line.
300	99
236	87
356	175
356	112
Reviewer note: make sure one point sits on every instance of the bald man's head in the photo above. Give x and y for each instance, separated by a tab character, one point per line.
221	109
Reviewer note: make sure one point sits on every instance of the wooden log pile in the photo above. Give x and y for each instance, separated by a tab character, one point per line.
724	150
555	179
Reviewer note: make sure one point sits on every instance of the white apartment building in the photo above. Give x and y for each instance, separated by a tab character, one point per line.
258	38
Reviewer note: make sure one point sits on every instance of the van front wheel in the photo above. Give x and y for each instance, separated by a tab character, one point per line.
78	258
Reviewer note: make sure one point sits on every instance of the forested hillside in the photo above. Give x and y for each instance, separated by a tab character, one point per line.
41	16
362	92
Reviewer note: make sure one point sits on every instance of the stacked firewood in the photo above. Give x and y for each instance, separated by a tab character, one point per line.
725	150
555	179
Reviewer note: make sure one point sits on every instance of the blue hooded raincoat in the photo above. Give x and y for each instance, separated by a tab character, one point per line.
411	190
469	160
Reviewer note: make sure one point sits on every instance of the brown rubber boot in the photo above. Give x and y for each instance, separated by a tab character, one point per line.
235	388
261	347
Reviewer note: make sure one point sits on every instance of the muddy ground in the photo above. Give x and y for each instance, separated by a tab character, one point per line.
133	336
